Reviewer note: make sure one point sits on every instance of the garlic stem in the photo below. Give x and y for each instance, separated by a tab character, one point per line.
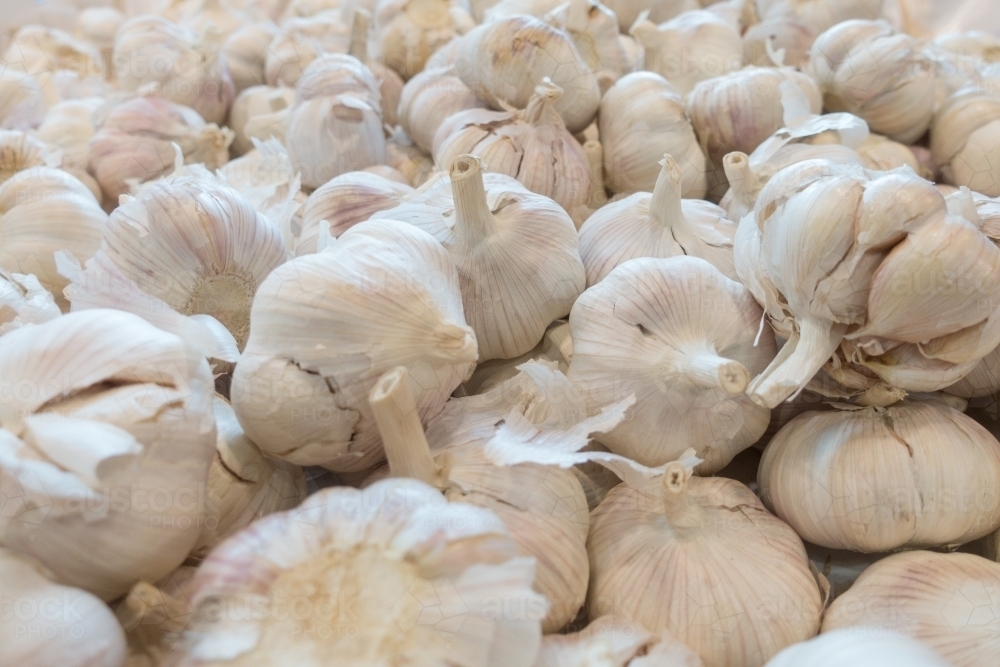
799	360
403	438
473	219
359	35
709	370
742	179
541	108
677	507
595	158
665	205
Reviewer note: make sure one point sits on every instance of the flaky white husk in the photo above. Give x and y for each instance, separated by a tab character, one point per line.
642	117
395	573
428	99
186	69
594	29
657	224
865	68
41	51
134	143
43	211
965	136
659	10
407	32
503	62
343	202
325	326
259	112
690	48
517	253
75	629
820	15
24	301
946	601
880	479
680	336
532	146
105	458
299	42
858	647
701	558
615	641
245	52
336	123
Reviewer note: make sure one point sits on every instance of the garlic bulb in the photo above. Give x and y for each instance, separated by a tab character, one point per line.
865	68
659	10
187	70
445	55
135	138
532	146
556	346
407	32
503	62
692	47
20	151
259	112
245	52
820	15
414	164
48	625
41	52
428	99
107	457
324	326
44	210
657	224
343	202
24	301
595	32
962	140
69	126
392	561
517	253
883	154
614	641
946	601
98	25
858	647
843	481
336	124
299	42
642	117
680	336
777	42
693	533
22	102
213	19
505	9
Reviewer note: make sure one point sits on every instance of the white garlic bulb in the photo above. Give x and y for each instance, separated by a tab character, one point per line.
659	10
680	336
343	202
978	44
407	32
883	154
22	101
98	25
594	29
42	211
187	70
717	571
820	15
614	641
504	61
49	625
394	560
20	151
642	117
324	326
245	52
858	647
865	68
963	143
108	455
259	112
300	41
777	42
517	253
69	126
690	48
42	52
843	480
946	601
24	301
532	146
428	99
510	8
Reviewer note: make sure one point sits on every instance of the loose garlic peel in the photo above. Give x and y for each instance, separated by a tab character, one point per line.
872	479
324	327
397	573
24	301
658	224
517	253
681	337
614	641
945	601
858	647
691	531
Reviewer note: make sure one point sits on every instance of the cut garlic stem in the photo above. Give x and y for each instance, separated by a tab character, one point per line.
595	158
742	180
665	204
360	27
678	508
473	219
707	369
395	412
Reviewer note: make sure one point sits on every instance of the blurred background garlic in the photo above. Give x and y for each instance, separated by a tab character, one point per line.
781	41
407	32
69	126
44	52
594	29
680	336
22	102
390	82
20	151
428	99
504	61
819	15
24	301
107	458
876	480
858	647
300	41
642	117
659	10
98	25
964	138
691	531
614	641
245	52
946	601
47	624
259	112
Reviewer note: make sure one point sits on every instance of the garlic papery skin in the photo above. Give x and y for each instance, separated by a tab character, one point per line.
532	145
343	202
614	641
41	52
259	112
628	11
661	553
336	123
187	70
517	253
407	32
963	140
42	211
880	479
24	301
679	335
396	573
299	42
98	25
106	458
245	52
820	15
503	62
858	647
594	29
883	154
134	142
692	47
22	102
429	98
76	629
865	68
778	42
658	224
642	117
325	326
946	601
